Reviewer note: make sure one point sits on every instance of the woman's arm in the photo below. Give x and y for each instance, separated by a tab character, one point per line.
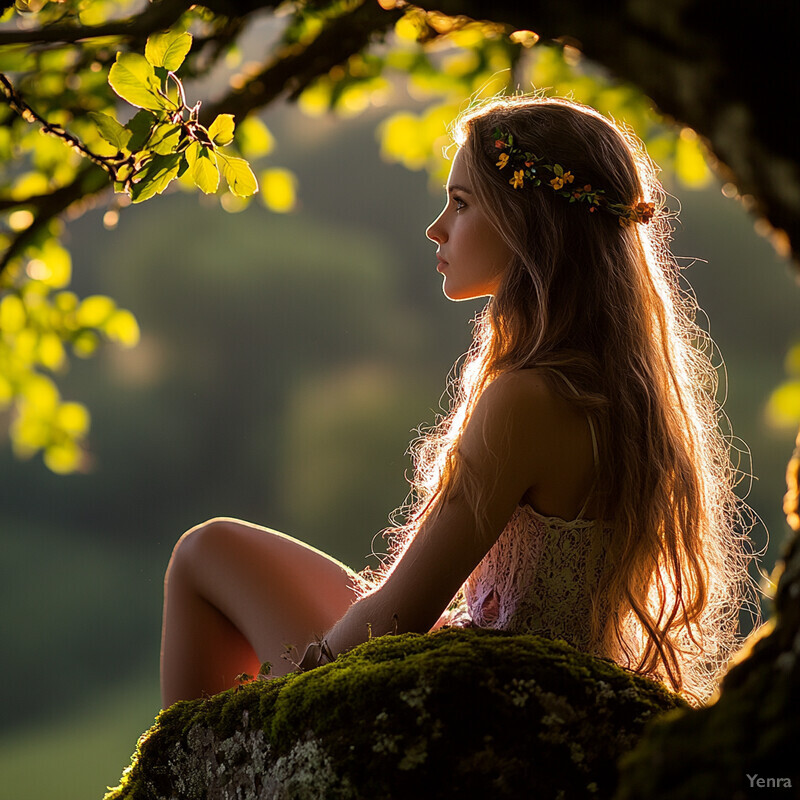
499	446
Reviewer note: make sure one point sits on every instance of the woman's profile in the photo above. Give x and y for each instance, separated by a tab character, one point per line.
579	486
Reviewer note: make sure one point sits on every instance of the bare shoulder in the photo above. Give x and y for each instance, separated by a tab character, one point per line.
525	383
522	397
524	434
517	411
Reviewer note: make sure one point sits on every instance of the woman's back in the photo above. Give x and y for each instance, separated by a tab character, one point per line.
567	449
539	575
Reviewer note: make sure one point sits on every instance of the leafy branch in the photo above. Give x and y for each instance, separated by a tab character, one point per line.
158	16
296	66
18	105
161	141
165	137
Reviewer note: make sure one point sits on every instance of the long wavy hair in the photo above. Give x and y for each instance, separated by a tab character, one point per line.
602	303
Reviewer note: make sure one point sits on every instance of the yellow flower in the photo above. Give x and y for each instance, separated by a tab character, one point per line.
561	178
503	160
517	180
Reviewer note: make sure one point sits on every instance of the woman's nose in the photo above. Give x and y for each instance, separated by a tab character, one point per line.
435	231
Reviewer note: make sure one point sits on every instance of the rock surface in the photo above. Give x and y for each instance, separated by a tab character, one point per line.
745	744
457	713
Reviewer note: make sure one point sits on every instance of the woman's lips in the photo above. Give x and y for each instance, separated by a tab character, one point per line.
441	264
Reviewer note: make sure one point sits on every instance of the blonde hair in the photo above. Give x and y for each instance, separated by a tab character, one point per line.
601	303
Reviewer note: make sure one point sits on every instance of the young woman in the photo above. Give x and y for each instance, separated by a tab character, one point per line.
579	487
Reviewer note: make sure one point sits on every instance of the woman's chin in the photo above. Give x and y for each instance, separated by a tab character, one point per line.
458	293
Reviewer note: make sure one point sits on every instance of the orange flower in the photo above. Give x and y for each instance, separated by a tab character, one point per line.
499	143
517	180
643	212
503	160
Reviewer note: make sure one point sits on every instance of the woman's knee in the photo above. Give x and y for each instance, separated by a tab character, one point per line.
223	552
198	545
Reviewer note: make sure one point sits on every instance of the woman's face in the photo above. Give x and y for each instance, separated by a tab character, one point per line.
472	256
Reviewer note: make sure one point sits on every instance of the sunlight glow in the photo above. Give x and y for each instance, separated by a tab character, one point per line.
20	220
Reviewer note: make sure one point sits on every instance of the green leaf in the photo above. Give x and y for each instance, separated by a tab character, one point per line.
783	408
140	127
122	328
13	317
114	133
253	138
205	173
168	49
278	190
203	167
165	138
221	130
192	153
690	163
17	58
95	310
155	176
239	176
58	263
134	80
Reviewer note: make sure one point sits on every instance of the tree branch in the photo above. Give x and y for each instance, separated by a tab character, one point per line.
289	72
158	16
36	200
18	105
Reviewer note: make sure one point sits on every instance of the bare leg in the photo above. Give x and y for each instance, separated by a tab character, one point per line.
235	595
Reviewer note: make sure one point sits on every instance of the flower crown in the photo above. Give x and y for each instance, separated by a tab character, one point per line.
533	169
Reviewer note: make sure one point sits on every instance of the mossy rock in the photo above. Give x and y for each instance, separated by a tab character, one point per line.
744	744
457	713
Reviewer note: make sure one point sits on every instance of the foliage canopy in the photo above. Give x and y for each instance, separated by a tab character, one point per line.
96	109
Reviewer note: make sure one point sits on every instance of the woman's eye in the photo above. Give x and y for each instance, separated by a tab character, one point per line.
459	203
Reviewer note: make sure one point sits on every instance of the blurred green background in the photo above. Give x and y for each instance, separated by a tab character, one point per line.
285	362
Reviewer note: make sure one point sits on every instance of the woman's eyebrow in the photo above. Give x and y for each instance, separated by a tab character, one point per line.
459	188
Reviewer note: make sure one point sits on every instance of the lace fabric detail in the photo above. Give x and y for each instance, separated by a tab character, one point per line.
537	578
539	575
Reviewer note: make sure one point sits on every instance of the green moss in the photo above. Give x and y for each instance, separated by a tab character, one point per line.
457	713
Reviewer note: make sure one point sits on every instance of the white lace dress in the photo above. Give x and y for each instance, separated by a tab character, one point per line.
538	575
